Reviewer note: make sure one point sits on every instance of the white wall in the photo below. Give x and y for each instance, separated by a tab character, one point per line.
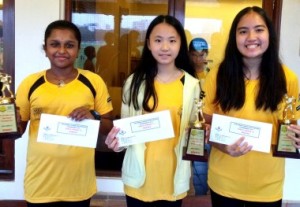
290	55
31	19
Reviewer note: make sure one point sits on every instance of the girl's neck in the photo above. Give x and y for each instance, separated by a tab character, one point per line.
168	74
251	68
62	76
166	69
62	72
199	69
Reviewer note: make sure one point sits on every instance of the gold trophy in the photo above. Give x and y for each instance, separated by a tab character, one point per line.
285	147
195	148
8	115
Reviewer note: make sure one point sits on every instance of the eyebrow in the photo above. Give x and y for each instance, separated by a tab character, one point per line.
67	41
158	36
257	26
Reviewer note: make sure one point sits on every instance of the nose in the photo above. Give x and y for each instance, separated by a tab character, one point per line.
62	49
165	45
251	35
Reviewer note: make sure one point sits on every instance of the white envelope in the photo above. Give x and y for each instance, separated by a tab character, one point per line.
54	129
226	130
144	128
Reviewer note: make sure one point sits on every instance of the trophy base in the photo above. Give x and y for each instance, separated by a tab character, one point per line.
191	157
11	135
276	153
285	147
8	120
7	100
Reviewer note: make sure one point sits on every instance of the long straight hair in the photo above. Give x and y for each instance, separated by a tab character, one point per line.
230	92
146	69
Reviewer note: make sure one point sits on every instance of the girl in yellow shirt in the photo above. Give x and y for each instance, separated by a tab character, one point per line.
250	83
154	173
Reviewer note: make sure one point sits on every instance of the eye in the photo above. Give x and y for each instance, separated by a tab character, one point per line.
173	41
242	31
70	45
259	30
157	40
54	44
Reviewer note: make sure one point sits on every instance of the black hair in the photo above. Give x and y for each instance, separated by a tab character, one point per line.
230	92
89	51
63	24
146	69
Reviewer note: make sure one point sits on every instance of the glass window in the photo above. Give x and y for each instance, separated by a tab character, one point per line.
115	31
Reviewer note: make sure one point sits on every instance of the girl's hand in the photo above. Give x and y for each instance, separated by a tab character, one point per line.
207	133
295	136
112	142
236	149
81	113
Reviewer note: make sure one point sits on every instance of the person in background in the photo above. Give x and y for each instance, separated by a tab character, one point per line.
250	83
61	175
90	54
154	173
198	51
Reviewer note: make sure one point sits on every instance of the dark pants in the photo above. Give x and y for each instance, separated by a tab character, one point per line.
132	202
85	203
221	201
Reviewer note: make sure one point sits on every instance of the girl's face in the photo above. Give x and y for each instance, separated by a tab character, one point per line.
252	36
61	48
164	43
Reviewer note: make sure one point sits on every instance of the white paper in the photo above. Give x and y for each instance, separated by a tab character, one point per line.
144	128
227	130
63	130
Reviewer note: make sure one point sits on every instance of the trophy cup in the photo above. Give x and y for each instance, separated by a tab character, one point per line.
8	116
195	148
285	147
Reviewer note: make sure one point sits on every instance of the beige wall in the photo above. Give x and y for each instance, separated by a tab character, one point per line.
212	22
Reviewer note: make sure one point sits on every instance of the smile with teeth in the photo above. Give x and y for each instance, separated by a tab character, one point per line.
252	46
164	55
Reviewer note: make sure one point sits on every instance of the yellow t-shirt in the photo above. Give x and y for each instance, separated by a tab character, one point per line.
201	75
59	172
255	176
160	158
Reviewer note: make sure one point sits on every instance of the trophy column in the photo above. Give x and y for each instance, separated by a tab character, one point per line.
8	116
285	147
195	148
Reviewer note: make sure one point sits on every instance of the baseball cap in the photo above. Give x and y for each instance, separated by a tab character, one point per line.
198	44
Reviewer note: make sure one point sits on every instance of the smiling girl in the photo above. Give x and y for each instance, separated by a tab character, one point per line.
154	173
250	83
61	175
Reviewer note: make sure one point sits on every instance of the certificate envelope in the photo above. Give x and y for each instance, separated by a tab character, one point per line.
144	128
226	130
63	130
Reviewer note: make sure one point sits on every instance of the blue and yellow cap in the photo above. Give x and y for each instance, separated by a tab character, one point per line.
198	44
